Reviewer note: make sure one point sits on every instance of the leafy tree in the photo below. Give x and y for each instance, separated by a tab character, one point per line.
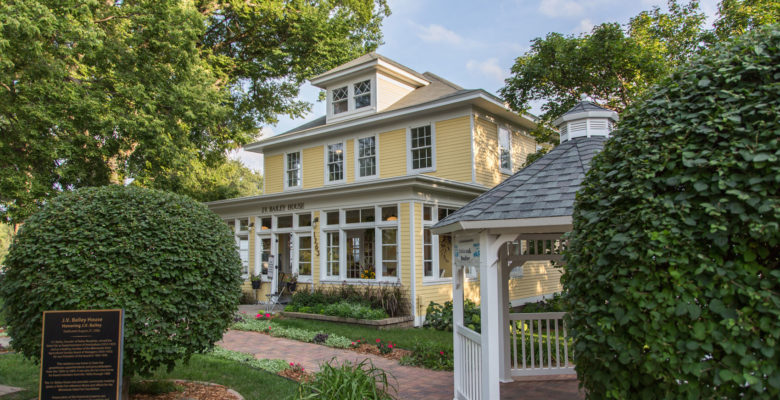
94	92
612	65
165	259
673	273
739	16
6	235
203	183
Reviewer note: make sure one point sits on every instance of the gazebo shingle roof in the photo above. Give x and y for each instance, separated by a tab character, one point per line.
546	188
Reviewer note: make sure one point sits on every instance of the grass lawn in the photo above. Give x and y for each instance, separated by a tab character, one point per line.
250	382
405	338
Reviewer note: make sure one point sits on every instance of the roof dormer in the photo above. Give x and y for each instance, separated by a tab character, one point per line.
366	85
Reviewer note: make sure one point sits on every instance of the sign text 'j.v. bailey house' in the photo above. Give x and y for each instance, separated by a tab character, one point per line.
350	198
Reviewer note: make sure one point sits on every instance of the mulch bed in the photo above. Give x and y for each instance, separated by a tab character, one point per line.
367	348
298	376
194	391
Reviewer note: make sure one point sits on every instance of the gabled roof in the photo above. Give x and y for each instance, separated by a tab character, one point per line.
370	58
545	188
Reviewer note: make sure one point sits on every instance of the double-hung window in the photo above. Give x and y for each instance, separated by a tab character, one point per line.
421	140
366	156
340	100
437	250
332	254
293	169
504	150
335	162
304	255
362	94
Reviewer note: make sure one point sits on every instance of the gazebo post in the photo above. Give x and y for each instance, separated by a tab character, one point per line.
506	355
457	320
492	294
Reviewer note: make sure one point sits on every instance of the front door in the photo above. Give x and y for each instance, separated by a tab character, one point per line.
283	257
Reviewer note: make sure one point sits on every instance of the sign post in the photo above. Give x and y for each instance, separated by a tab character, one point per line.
81	355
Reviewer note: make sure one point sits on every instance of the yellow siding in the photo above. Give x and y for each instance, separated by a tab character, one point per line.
313	165
522	146
392	153
487	168
388	93
273	174
539	278
453	148
349	169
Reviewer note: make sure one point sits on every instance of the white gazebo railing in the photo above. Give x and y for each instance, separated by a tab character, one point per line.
468	378
543	344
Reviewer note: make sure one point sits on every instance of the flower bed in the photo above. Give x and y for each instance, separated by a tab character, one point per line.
342	309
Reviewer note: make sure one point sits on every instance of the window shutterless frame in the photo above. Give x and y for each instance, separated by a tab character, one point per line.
366	157
293	170
421	149
335	159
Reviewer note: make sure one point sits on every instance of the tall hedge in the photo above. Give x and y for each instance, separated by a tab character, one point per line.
672	273
167	260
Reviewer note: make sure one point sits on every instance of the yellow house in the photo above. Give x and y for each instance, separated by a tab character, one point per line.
350	198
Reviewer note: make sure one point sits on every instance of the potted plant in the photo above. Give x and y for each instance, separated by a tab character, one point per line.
256	281
292	282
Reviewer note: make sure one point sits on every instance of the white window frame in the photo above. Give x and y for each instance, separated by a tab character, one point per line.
377	225
259	237
409	162
370	94
357	157
239	234
506	170
345	99
287	186
427	224
297	257
325	275
343	163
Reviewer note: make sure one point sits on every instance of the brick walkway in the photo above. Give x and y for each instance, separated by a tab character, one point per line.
413	383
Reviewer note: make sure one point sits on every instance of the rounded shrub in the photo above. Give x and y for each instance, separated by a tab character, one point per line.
165	259
672	274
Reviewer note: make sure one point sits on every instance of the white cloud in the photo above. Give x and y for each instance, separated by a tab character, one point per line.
585	26
434	33
489	68
561	8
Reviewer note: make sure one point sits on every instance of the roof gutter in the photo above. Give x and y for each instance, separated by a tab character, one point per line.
560	223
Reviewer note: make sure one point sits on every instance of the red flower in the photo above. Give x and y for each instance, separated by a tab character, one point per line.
378	340
390	346
441	352
268	315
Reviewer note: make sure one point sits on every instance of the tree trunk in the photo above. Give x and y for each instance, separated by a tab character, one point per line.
125	388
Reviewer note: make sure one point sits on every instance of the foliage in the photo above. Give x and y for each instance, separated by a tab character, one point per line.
303	335
672	274
6	235
348	381
320	338
385	347
440	317
390	298
430	355
168	261
736	17
92	93
340	309
266	364
615	65
154	387
203	182
554	304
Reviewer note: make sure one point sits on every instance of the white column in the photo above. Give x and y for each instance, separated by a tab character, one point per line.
457	319
506	354
490	309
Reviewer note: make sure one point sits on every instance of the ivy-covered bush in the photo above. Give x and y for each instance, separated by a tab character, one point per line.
439	316
672	274
165	259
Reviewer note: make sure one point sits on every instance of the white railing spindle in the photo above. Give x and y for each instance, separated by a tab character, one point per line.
546	327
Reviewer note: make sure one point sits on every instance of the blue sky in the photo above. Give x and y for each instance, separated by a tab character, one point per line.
474	43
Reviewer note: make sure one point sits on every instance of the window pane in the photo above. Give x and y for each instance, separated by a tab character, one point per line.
340	106
352	216
265	255
427	253
333	254
284	221
335	162
360	254
333	218
243	224
362	94
363	101
427	213
390	213
445	256
265	223
367	215
340	100
243	253
304	219
390	269
444	212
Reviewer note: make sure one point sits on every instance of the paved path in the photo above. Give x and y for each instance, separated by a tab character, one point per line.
413	383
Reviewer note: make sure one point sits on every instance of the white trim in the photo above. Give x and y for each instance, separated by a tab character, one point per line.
551	222
437	281
412	261
432	168
613	115
326	178
479	98
471	141
356	152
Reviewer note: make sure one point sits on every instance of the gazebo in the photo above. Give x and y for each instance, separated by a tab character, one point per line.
520	220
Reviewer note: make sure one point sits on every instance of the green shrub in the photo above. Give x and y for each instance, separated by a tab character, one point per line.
302	335
672	274
430	355
553	304
390	298
439	316
165	259
270	365
348	381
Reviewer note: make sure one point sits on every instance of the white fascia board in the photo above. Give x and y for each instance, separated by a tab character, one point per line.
322	80
481	98
613	115
392	70
538	225
438	184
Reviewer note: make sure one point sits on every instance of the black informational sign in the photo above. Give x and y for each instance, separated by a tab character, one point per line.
81	355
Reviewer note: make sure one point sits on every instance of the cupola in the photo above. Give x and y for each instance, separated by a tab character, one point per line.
586	119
